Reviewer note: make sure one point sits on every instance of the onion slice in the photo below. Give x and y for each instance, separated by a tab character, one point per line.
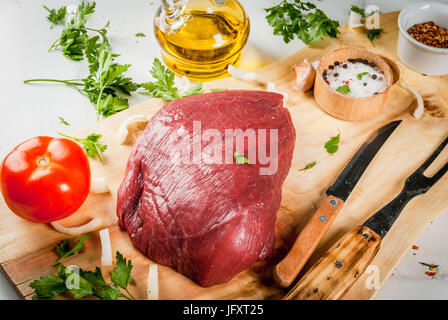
99	185
153	282
106	248
239	74
123	131
354	20
90	226
271	87
418	112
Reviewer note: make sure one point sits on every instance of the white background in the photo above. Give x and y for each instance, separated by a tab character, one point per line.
31	110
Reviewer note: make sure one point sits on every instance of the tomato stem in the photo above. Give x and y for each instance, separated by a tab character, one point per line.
43	161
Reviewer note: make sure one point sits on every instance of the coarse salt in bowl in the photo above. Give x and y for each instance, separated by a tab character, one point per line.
362	105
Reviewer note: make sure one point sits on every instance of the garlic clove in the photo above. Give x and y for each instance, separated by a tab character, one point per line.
305	76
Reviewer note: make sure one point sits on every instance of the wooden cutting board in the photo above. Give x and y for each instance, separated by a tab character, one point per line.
26	249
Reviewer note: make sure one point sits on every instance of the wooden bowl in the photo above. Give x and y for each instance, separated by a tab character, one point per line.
344	107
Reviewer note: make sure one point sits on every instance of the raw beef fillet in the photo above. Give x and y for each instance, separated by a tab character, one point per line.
210	221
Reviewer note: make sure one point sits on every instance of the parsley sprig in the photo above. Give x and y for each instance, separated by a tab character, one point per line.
72	40
164	87
297	18
90	145
64	250
91	283
371	34
106	83
56	16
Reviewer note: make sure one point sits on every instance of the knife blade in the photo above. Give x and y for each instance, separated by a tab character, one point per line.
287	269
346	261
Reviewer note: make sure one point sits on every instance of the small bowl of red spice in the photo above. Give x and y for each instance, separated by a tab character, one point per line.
423	37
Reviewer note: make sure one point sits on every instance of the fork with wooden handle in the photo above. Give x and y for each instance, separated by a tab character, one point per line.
287	270
341	266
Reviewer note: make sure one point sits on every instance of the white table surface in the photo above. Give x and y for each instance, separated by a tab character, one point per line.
31	110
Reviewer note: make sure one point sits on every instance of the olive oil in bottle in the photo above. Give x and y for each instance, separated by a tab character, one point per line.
200	38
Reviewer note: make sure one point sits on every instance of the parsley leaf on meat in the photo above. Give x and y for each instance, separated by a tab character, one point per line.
240	159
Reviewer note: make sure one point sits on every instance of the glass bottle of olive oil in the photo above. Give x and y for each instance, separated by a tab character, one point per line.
200	38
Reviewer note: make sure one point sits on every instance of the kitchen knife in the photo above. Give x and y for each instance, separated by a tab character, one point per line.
287	270
342	265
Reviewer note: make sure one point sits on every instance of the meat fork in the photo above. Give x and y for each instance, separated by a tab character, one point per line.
339	268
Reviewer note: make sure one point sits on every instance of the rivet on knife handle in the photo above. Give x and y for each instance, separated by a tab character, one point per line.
336	271
287	270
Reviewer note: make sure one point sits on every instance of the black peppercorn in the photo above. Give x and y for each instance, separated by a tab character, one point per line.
374	76
336	75
344	66
336	63
364	84
331	67
372	65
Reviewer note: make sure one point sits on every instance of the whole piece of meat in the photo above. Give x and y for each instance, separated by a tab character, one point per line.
208	219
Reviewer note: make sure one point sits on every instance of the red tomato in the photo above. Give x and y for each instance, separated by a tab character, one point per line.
45	179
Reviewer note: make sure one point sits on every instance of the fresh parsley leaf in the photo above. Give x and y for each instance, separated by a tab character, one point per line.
88	283
240	159
297	19
90	145
372	34
64	251
218	89
106	83
359	10
194	90
56	17
164	87
62	121
140	34
332	145
72	40
121	274
48	287
309	166
361	74
345	89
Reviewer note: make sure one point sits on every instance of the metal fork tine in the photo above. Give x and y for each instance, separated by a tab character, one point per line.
439	174
433	157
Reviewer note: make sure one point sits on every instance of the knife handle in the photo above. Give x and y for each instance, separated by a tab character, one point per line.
287	270
339	268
